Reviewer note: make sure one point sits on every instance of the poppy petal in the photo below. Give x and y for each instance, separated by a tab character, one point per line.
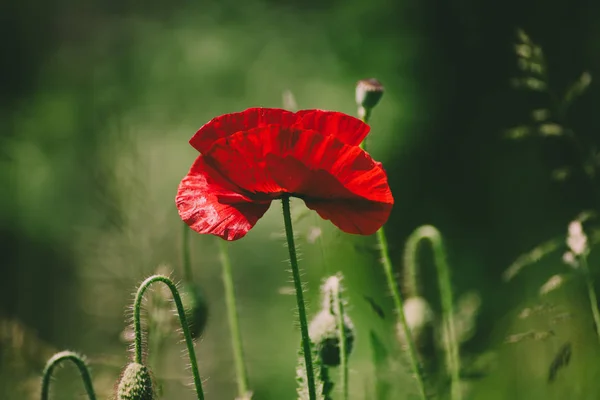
345	128
229	124
341	182
209	203
241	157
364	218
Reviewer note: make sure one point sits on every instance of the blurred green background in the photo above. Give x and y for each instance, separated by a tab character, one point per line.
99	99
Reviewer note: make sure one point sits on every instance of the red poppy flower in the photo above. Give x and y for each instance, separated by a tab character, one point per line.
253	157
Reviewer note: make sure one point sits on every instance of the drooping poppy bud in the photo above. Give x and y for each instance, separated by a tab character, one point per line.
419	318
196	308
136	383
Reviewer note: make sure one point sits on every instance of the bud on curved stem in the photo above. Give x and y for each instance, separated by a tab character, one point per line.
196	308
399	306
81	366
430	233
135	383
137	308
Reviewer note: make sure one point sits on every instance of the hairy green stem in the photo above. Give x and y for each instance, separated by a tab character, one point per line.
185	253
306	344
591	293
338	306
327	383
430	233
81	366
364	113
137	322
395	291
234	326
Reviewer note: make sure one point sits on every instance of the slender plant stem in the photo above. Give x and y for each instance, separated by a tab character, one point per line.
591	293
137	322
339	313
306	345
81	366
411	267
364	114
430	233
398	304
234	326
185	253
395	291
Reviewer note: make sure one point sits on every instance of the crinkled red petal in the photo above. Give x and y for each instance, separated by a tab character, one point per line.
341	182
358	217
209	203
345	128
229	124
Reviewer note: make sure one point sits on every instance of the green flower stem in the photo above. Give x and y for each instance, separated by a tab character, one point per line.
364	114
232	315
185	253
137	321
591	293
393	288
306	345
81	365
339	313
430	233
398	304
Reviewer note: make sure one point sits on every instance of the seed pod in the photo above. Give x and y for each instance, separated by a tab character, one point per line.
196	308
136	383
368	93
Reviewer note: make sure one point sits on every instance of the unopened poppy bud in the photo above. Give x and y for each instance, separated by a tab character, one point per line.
324	334
368	93
196	308
136	383
418	316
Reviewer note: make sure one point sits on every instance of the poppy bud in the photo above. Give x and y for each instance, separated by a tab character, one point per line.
136	383
368	94
419	318
196	308
323	332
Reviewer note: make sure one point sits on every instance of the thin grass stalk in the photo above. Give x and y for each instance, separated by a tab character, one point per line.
234	326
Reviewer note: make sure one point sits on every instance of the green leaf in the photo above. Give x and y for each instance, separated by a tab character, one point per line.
578	87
